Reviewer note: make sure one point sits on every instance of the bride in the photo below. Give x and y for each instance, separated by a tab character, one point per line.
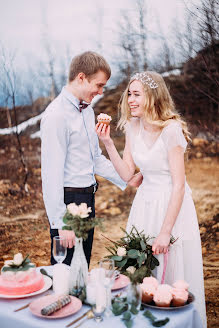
156	140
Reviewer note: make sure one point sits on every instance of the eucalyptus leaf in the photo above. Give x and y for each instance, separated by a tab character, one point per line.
133	253
133	309
122	263
143	245
160	323
127	315
117	258
128	323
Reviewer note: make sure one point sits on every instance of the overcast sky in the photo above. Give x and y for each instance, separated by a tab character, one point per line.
82	24
79	25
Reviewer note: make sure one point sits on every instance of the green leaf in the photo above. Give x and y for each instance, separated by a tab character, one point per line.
117	258
133	253
143	246
121	264
141	259
66	228
133	309
128	323
127	315
160	323
149	315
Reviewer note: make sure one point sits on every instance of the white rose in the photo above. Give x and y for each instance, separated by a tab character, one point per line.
131	269
73	209
121	251
8	262
84	210
18	259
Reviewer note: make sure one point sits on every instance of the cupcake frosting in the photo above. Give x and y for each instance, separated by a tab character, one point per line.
163	296
103	116
165	288
181	284
180	294
148	289
151	281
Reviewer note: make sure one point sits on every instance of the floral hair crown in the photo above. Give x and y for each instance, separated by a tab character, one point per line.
145	79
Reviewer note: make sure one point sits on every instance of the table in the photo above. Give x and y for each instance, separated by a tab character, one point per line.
183	318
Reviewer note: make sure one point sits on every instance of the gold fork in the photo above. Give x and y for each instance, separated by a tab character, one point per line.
89	314
25	306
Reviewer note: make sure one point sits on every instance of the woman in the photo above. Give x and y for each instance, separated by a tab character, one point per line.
156	139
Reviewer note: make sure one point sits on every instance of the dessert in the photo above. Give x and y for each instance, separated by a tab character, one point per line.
181	284
162	297
165	287
104	118
19	277
180	297
151	280
148	291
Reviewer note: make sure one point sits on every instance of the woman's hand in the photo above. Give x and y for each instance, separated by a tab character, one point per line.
136	180
161	243
103	132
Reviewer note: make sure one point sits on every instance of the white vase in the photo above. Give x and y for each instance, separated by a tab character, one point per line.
78	269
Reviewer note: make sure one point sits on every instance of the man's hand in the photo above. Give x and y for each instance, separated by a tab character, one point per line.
136	180
69	235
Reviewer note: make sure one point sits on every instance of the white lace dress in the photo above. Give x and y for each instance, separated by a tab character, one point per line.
150	205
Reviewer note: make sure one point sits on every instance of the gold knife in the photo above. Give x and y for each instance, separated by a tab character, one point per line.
81	317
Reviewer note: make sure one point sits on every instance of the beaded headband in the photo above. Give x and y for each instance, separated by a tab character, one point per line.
145	79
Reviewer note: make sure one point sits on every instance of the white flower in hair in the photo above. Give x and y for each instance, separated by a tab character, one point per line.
145	79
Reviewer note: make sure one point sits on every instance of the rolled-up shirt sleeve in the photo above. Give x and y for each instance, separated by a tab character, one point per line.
105	168
54	141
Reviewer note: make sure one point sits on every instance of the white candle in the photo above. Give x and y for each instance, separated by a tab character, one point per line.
61	274
91	293
100	296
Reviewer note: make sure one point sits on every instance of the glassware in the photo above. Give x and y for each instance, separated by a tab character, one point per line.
98	313
78	269
134	294
108	281
59	248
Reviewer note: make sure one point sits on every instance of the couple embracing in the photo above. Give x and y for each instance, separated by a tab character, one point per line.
156	140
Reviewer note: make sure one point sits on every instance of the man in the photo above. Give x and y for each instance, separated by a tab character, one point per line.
70	153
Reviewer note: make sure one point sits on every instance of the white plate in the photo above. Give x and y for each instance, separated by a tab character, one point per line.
47	285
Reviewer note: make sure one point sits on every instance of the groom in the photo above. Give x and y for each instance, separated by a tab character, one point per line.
70	152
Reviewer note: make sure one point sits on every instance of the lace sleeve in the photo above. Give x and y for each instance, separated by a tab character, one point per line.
173	136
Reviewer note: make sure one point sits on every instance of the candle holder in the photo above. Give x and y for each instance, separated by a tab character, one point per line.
98	312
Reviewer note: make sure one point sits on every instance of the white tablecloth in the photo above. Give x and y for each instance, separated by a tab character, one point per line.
181	318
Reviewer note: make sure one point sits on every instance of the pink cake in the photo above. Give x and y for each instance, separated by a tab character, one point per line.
19	277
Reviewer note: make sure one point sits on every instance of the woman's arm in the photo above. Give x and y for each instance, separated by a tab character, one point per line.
125	167
177	170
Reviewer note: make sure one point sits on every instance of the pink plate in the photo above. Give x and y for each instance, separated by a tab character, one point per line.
121	282
37	305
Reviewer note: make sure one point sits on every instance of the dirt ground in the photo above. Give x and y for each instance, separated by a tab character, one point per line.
24	227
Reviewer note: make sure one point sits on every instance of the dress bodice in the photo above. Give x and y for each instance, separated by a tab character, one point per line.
153	161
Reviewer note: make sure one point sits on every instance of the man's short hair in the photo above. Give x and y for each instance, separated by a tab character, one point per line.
88	63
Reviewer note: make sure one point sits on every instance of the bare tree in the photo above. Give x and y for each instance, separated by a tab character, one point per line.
11	85
133	39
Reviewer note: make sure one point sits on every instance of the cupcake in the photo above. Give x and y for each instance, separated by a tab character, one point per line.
151	281
165	287
180	297
181	284
148	292
162	298
104	118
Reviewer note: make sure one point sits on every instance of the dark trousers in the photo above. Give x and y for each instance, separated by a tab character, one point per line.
77	198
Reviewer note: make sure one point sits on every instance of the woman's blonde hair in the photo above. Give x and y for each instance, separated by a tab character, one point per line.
159	106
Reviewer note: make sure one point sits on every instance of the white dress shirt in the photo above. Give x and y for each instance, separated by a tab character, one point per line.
70	154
